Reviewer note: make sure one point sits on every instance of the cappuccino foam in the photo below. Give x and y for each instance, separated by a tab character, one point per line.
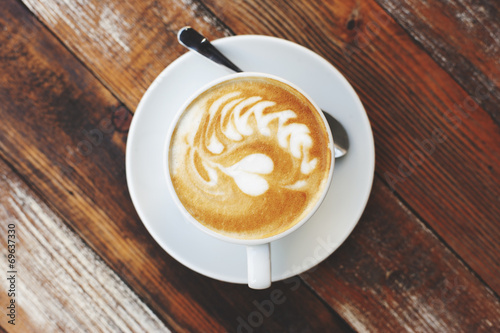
249	157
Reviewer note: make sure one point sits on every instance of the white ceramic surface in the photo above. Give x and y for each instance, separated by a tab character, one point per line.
311	243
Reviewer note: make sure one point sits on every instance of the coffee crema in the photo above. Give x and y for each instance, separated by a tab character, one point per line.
249	157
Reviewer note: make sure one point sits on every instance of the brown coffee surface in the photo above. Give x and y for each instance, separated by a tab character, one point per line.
249	158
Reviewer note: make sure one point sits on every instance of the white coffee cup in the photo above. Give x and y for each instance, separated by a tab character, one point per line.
258	250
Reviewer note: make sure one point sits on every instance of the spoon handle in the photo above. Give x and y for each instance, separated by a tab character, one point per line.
193	40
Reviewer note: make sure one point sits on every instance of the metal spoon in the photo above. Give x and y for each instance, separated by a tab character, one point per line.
194	41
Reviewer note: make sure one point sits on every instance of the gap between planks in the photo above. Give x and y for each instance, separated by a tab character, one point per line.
410	211
62	284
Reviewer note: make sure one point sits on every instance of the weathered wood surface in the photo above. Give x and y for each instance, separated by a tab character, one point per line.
463	37
61	284
125	44
423	258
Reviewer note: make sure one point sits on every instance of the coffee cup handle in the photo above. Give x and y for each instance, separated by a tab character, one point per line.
259	266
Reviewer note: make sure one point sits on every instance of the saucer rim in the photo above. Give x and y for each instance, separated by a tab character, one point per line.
133	128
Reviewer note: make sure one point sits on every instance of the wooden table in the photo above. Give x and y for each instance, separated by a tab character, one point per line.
424	256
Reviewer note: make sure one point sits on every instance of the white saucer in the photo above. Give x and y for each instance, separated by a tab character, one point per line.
310	244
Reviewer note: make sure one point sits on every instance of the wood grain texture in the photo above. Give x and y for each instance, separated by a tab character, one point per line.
471	53
61	284
394	275
435	146
59	136
126	43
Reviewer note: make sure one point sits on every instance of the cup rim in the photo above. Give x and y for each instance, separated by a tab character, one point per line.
173	193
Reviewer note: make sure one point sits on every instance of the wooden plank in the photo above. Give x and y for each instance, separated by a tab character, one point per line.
134	38
58	135
394	275
435	146
60	284
470	53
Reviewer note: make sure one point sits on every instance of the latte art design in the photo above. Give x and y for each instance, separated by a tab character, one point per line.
247	158
231	116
